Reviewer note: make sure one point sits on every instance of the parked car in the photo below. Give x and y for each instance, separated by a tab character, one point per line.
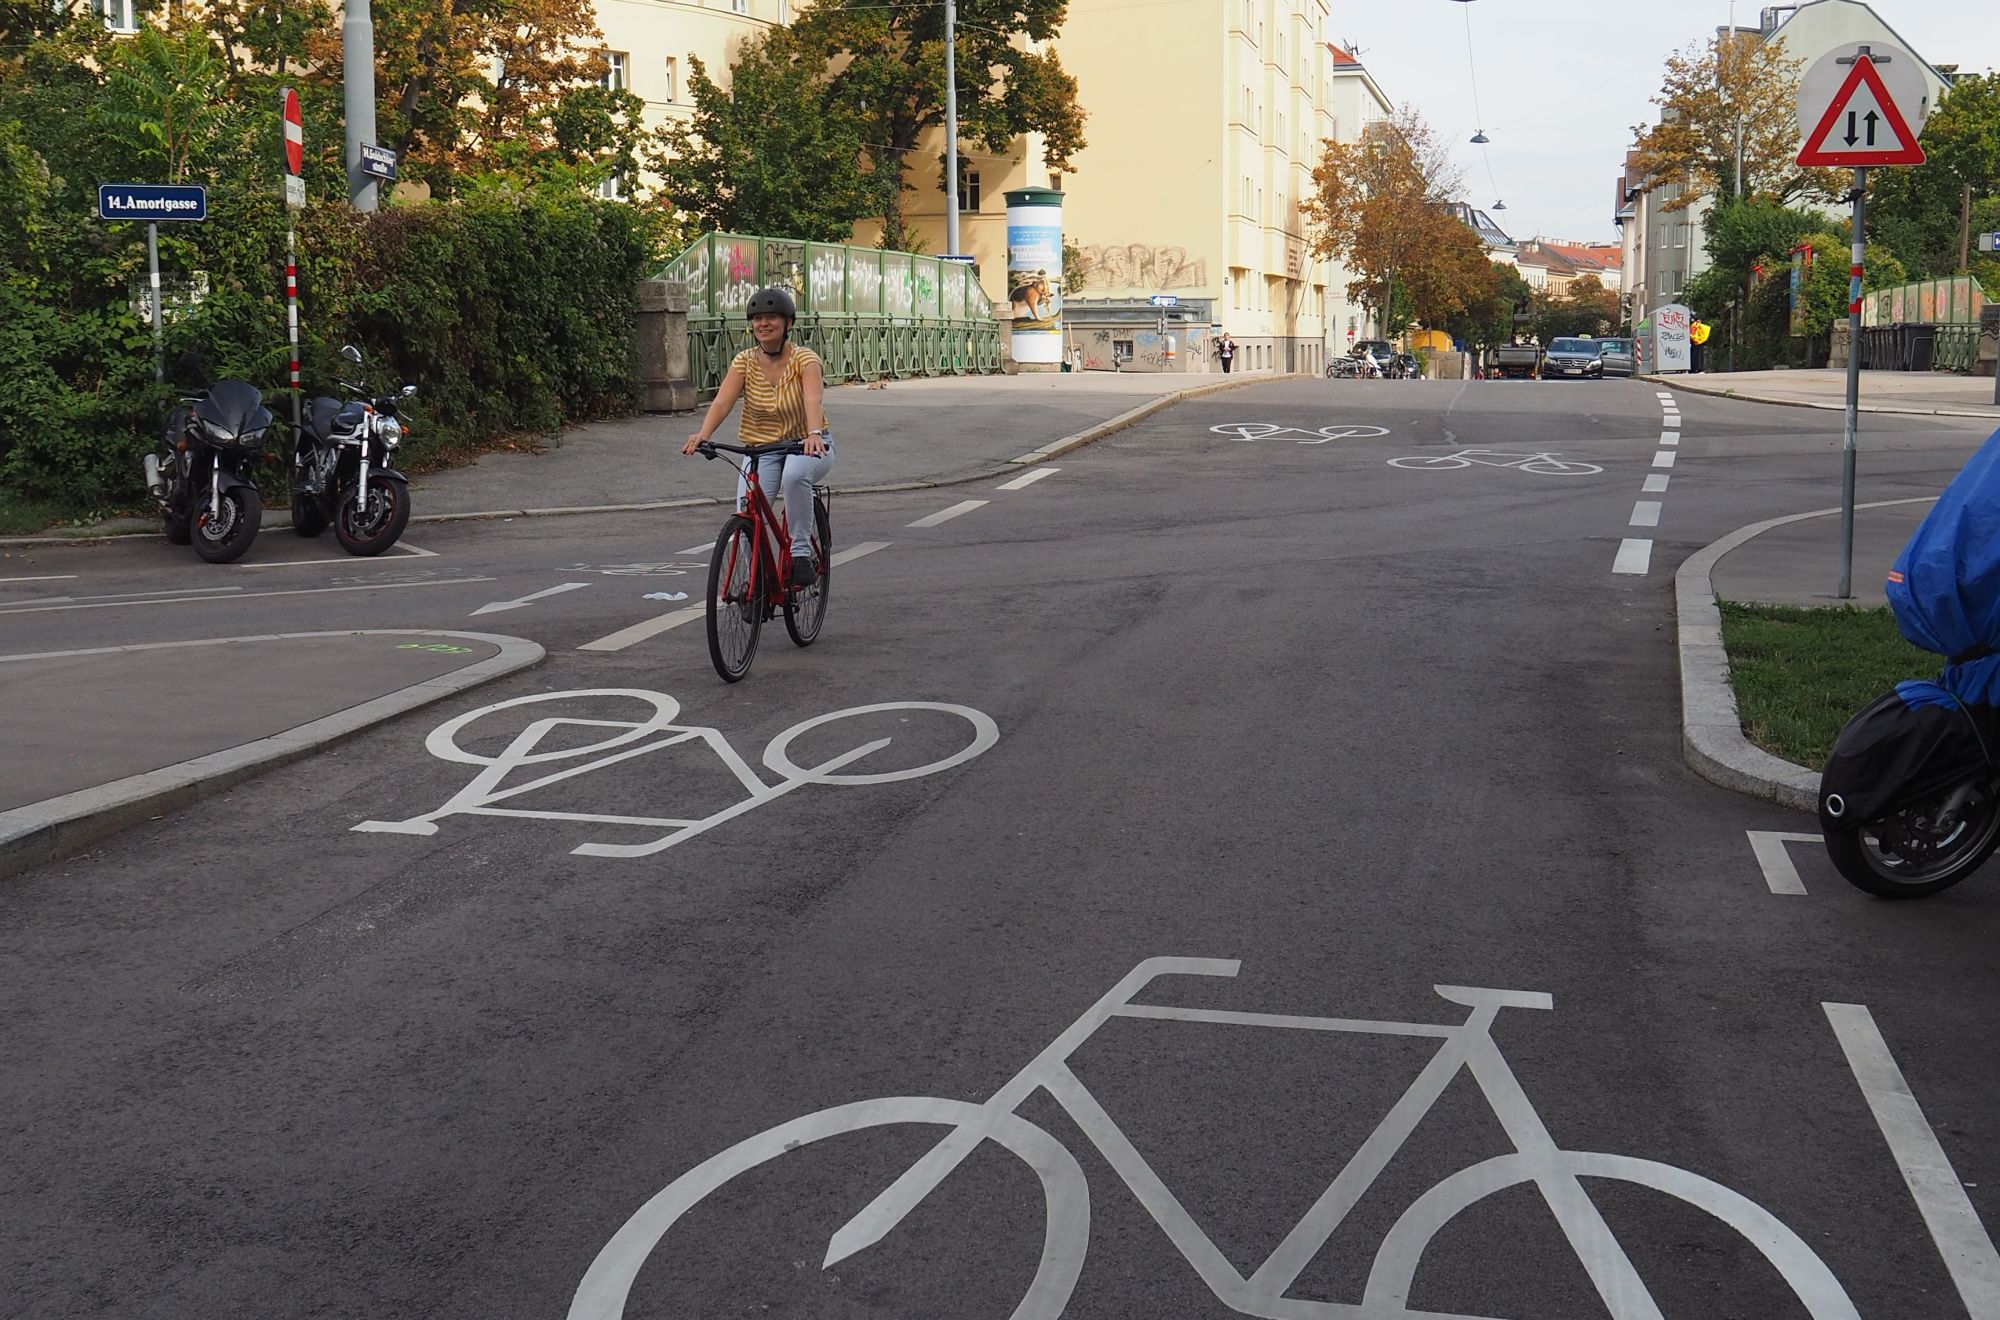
1380	350
1620	357
1572	357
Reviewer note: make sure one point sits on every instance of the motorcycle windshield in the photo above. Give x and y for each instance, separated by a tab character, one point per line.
229	407
1945	587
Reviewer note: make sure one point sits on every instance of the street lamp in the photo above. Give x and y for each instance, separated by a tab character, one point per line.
1499	206
1479	138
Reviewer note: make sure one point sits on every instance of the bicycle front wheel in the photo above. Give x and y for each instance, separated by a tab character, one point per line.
735	604
805	610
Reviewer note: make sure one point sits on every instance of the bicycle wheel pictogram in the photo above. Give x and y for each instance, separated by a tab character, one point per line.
1465	1047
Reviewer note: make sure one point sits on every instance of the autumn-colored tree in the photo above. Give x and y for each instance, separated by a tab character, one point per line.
1488	316
1382	208
1708	94
469	87
889	62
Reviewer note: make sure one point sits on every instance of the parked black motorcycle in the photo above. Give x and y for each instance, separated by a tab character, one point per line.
341	468
1909	801
203	484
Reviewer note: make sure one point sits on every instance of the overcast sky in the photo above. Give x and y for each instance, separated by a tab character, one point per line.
1561	82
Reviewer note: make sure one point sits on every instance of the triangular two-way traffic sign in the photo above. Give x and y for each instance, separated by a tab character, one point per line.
1862	126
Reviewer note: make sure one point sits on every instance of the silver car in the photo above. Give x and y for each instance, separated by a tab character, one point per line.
1619	356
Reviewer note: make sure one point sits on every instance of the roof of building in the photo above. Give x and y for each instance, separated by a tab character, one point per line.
1485	226
1342	57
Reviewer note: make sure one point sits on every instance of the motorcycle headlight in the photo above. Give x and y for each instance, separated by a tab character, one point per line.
391	431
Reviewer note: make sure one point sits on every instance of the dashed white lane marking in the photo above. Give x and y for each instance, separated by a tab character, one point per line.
1665	458
652	627
522	602
1646	513
1656	482
855	551
1670	437
1780	876
1634	556
217	597
1670	419
694	550
1961	1239
53	577
1023	482
1662	394
946	515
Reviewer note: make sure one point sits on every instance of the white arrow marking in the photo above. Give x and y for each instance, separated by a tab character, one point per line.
498	606
1779	873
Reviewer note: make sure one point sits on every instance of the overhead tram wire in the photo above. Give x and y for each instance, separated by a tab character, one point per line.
1479	138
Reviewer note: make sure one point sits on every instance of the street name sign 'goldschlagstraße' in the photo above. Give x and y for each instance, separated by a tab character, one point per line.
1859	112
378	162
151	201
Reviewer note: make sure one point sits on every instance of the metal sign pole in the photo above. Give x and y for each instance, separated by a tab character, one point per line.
159	333
1853	388
292	314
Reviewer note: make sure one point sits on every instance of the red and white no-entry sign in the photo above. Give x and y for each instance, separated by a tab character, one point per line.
295	134
1862	106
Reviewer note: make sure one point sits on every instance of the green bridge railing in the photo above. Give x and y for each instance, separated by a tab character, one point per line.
869	314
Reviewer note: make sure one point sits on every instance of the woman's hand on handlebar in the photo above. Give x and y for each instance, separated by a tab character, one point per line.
814	445
694	442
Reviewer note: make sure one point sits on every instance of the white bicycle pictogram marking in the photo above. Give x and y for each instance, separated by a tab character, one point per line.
636	738
1251	432
1467	1046
1541	461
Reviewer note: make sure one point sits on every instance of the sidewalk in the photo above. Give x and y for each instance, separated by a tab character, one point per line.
1922	393
72	768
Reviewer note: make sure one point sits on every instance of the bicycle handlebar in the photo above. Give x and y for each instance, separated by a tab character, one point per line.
708	448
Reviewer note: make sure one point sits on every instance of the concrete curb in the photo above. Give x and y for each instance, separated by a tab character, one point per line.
1680	383
1048	451
44	831
1712	741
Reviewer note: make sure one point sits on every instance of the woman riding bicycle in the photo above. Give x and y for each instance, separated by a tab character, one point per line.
783	389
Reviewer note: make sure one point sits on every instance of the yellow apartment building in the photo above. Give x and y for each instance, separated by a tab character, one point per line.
1205	119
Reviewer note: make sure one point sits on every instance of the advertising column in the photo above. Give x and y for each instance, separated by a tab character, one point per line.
1673	340
1034	276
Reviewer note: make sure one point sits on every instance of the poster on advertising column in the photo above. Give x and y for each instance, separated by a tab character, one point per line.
1673	342
1035	275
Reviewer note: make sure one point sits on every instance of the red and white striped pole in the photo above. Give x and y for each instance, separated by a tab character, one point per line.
1854	280
295	197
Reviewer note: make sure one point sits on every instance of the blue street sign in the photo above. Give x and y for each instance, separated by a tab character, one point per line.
151	201
379	162
1165	300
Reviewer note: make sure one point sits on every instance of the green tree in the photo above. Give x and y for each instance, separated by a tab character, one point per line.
1488	315
1919	211
164	100
888	62
775	154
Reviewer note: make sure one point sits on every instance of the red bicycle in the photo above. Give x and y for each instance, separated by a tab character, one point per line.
750	577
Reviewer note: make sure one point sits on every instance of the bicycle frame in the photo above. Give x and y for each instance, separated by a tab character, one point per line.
1469	1045
772	534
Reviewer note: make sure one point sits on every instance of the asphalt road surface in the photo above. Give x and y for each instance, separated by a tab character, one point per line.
631	993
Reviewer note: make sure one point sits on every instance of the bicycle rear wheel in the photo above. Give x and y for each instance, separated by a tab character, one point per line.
735	606
805	610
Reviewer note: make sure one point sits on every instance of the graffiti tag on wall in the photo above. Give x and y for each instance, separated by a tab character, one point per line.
1137	266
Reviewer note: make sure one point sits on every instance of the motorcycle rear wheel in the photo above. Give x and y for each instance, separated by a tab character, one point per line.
1898	856
308	515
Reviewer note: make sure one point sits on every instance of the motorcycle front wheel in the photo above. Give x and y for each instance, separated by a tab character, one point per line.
224	532
1911	853
373	528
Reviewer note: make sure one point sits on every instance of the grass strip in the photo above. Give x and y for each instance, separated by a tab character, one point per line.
1801	673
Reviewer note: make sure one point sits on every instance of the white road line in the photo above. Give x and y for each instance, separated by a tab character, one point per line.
1671	419
946	515
137	595
1780	876
1662	394
401	550
244	595
1656	482
1022	482
53	577
1646	513
501	606
1670	437
703	548
1940	1196
1665	458
854	552
639	632
1634	556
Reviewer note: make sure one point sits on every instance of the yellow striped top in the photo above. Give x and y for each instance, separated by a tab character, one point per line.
773	413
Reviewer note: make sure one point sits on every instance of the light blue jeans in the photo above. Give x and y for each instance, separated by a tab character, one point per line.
795	475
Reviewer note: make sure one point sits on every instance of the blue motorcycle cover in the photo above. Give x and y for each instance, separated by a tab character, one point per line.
1912	743
1945	587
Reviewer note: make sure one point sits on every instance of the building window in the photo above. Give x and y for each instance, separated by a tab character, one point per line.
1249	109
612	189
739	6
1281	128
1281	50
1249	16
118	15
1249	196
617	71
673	79
1055	183
968	195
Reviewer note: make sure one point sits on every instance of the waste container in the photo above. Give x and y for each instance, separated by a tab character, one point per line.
1923	346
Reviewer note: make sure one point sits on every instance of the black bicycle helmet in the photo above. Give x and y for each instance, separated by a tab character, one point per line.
772	302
